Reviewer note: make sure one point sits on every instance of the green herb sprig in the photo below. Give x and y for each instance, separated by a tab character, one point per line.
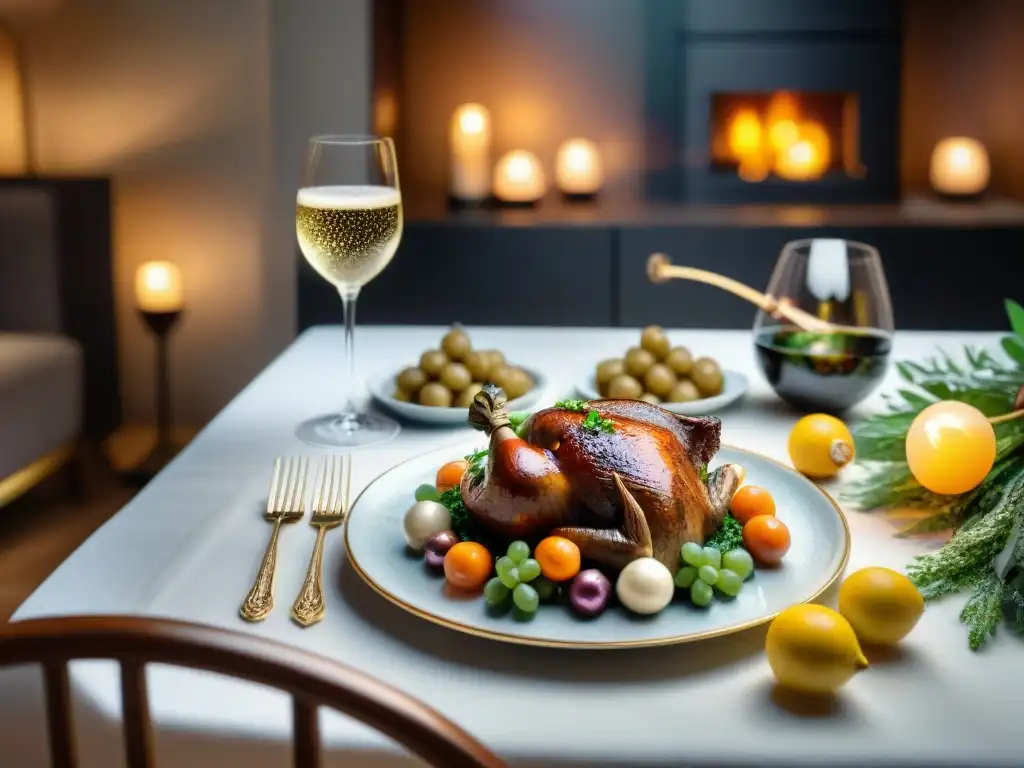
477	461
461	524
729	535
986	552
576	406
595	423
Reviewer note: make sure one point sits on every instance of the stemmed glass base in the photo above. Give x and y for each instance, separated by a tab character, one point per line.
347	430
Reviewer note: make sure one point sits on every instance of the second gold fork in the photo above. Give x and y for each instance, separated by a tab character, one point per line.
330	505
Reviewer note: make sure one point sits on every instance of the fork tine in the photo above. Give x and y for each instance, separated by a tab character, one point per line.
347	462
282	489
318	486
336	471
294	487
302	485
273	485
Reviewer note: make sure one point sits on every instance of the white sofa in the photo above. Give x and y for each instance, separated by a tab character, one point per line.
41	370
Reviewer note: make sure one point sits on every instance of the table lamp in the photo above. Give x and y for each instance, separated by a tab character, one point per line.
578	169
519	178
158	298
959	168
470	149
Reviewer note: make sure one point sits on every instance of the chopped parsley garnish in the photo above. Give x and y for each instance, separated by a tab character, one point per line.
595	423
476	462
702	470
576	406
728	537
452	500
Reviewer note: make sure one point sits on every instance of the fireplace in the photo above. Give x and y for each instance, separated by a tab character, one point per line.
788	101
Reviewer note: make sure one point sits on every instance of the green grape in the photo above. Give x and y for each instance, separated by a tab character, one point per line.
693	554
510	578
518	551
686	576
503	565
526	598
427	492
529	570
739	562
545	587
708	574
701	593
495	592
712	557
729	582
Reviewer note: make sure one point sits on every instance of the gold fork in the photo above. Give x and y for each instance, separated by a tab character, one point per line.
333	487
285	504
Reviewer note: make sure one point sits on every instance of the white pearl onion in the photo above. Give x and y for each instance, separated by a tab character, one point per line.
645	586
423	520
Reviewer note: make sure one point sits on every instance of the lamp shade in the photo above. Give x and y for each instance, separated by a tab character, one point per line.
959	167
578	167
519	178
158	287
470	147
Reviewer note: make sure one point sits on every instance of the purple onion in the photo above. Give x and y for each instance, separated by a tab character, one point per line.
590	592
437	547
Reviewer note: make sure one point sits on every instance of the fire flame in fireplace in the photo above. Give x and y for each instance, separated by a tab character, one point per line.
778	139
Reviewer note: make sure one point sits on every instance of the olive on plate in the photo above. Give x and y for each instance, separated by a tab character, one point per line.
707	376
625	387
637	361
654	340
478	363
456	344
432	362
680	361
435	394
659	380
411	379
650	397
684	392
465	398
608	370
456	377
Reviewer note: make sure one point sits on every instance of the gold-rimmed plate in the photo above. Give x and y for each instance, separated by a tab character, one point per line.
819	552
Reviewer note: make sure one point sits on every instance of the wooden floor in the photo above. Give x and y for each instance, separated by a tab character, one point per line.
42	528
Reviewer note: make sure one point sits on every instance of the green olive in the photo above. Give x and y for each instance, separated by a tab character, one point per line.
625	387
654	340
684	392
497	358
707	376
650	397
456	377
659	380
638	361
465	397
402	395
436	395
680	361
500	376
432	362
479	364
456	344
411	379
517	383
608	370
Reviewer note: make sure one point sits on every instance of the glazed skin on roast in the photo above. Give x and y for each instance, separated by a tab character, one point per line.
633	492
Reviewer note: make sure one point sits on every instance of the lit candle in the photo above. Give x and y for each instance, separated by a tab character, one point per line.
158	287
519	178
578	168
959	167
470	153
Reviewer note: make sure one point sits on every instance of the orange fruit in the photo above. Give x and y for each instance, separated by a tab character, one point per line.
766	539
468	565
749	502
559	558
450	475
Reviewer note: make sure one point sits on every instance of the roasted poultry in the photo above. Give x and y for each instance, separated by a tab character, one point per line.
630	489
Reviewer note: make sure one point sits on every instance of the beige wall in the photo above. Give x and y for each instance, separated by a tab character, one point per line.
12	125
195	109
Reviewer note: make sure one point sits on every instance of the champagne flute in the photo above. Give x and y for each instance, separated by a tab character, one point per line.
348	219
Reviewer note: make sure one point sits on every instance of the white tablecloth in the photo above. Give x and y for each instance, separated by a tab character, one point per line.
189	544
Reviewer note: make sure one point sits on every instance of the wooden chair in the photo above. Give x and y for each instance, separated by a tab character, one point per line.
311	680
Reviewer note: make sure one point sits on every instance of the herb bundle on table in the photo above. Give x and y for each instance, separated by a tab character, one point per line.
985	556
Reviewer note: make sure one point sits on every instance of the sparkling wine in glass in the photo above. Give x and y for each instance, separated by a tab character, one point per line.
841	282
348	219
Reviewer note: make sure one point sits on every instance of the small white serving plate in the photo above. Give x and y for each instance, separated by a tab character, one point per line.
382	386
734	386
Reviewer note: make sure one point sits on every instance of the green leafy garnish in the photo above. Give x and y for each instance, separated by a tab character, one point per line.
461	524
702	470
728	537
985	555
517	420
595	423
476	462
577	406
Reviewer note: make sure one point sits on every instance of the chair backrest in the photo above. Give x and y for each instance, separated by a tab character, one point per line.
311	680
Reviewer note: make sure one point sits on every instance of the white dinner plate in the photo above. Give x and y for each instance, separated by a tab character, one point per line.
816	559
734	386
382	386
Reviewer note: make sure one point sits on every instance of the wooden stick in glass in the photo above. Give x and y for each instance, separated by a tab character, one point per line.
660	269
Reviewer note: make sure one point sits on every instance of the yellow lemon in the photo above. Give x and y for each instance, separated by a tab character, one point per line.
813	649
882	605
820	445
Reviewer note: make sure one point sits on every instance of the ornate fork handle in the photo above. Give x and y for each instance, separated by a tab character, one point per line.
260	600
309	605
